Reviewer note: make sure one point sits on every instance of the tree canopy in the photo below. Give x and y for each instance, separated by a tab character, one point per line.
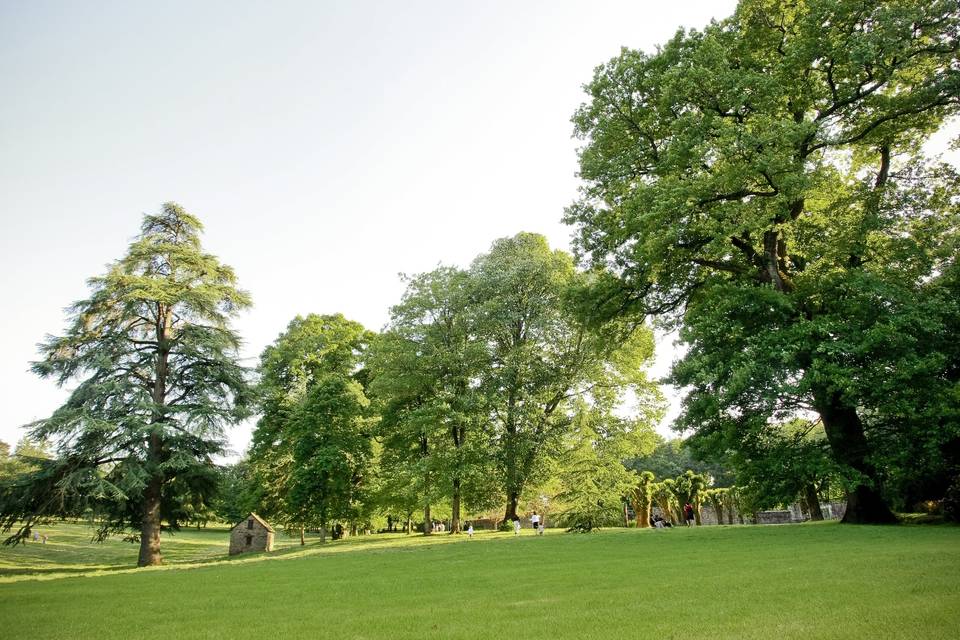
760	184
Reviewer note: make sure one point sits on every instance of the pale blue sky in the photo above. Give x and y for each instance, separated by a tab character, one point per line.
325	146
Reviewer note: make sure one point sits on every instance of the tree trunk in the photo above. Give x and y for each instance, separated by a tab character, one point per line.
323	534
409	522
813	502
696	514
455	507
848	442
302	539
150	526
427	523
643	514
513	497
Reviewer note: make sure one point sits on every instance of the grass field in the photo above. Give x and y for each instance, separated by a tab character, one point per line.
793	581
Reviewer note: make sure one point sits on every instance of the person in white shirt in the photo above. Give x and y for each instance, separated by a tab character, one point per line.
535	521
516	526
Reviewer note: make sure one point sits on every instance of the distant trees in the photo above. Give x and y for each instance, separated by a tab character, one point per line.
26	457
158	380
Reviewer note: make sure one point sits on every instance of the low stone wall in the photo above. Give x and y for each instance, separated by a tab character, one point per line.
775	517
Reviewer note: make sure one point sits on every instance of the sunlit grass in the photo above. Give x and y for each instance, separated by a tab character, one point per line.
793	581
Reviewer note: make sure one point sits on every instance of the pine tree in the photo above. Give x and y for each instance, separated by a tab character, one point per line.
158	380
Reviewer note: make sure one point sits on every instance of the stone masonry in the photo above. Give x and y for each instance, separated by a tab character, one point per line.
251	534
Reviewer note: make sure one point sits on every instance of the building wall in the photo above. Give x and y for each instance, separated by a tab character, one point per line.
243	540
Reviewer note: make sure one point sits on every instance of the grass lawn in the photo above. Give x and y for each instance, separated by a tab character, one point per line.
793	581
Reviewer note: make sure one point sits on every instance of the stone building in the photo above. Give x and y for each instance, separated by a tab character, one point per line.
251	534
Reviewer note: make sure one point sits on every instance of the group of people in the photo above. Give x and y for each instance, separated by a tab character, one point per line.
40	538
536	521
658	522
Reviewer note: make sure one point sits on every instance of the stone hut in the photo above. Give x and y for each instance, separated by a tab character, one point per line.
251	534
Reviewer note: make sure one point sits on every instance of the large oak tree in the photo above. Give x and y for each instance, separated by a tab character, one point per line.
759	184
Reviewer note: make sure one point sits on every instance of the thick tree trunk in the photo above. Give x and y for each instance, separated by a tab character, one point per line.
845	434
455	507
813	502
427	523
696	514
643	514
303	540
409	523
150	526
513	497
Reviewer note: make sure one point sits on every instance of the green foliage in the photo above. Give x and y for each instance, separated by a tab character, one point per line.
542	358
592	477
781	463
759	184
423	370
237	492
670	458
311	447
331	451
155	363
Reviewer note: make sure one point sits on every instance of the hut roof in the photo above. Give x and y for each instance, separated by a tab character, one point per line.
258	519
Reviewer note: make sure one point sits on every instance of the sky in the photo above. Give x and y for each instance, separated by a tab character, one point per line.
327	147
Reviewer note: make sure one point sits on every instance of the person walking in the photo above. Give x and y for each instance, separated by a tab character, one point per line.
688	514
535	521
516	525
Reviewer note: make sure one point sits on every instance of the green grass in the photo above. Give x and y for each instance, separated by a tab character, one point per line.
793	581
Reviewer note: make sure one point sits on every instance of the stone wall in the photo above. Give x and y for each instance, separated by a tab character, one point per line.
708	516
244	539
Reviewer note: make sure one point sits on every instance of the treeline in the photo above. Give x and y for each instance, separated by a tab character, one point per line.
487	386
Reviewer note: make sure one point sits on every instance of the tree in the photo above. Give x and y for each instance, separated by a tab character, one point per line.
689	488
237	492
717	498
156	361
758	183
541	357
331	442
670	458
642	498
783	463
311	419
422	372
665	500
592	477
26	457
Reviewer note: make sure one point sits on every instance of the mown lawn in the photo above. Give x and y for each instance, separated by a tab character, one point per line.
793	581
